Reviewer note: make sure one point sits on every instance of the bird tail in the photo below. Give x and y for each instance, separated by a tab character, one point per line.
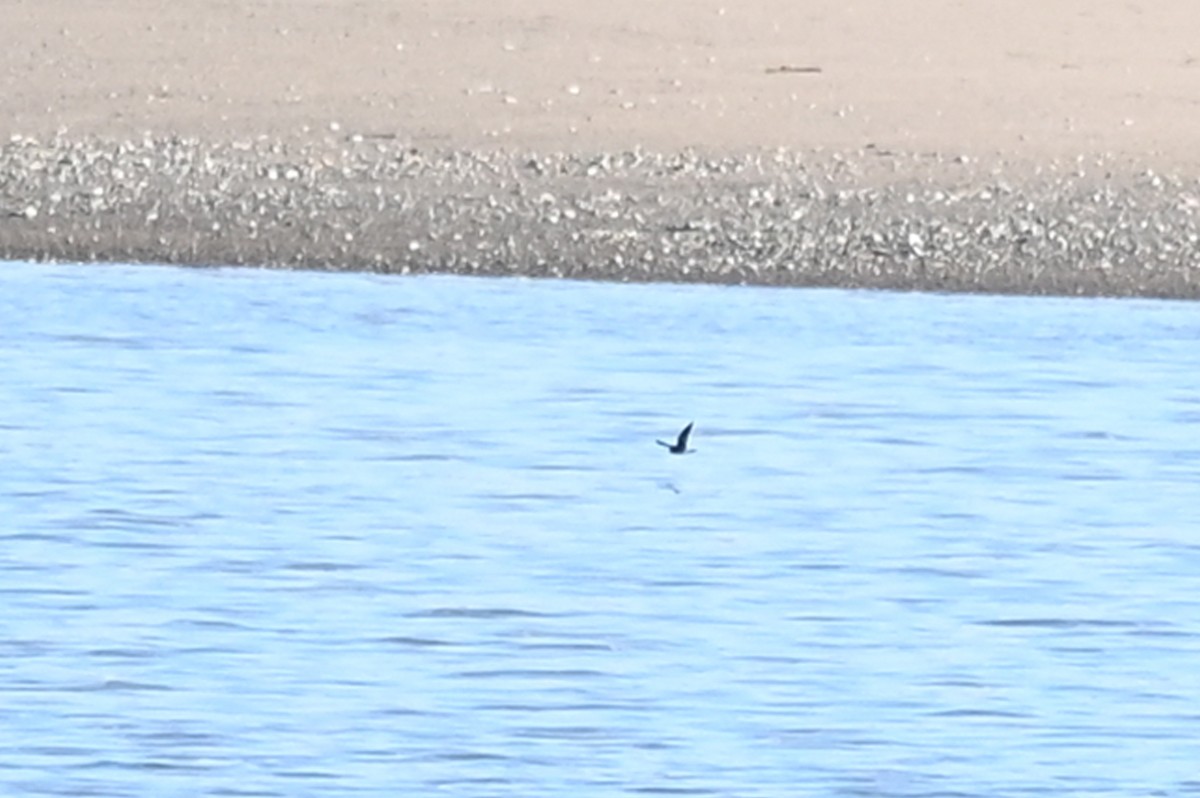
663	443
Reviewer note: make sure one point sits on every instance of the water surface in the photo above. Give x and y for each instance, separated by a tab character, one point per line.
307	534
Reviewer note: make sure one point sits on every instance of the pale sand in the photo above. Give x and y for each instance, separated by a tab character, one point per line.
1020	79
973	145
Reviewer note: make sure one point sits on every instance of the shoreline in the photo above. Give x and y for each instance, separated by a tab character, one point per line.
868	219
915	144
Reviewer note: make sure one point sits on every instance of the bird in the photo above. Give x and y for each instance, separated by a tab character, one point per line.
680	446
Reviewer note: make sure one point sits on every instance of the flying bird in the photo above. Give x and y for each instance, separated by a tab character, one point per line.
680	445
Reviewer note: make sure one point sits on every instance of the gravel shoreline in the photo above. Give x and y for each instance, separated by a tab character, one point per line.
869	219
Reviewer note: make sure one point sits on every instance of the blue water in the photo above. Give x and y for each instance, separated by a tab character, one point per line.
292	534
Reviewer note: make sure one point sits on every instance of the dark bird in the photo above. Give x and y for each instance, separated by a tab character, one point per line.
680	446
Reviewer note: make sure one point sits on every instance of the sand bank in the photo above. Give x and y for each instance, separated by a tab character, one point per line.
911	144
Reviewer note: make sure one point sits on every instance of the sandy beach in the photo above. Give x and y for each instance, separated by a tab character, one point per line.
915	144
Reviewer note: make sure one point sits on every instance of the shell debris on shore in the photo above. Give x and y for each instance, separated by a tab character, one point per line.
868	219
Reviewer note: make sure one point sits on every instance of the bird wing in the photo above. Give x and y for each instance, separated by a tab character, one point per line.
683	436
662	443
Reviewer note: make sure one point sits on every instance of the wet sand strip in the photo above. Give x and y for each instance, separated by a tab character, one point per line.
869	219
